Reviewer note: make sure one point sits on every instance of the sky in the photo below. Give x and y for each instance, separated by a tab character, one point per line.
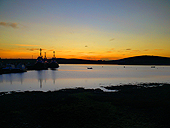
84	29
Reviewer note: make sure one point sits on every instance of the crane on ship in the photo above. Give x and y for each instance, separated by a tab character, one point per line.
53	63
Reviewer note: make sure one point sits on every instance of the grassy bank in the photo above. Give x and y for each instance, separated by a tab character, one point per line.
131	106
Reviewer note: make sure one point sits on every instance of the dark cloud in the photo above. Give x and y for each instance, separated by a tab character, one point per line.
72	56
146	50
136	50
109	51
6	24
51	50
4	49
112	39
67	51
3	23
33	49
14	25
158	49
132	51
26	45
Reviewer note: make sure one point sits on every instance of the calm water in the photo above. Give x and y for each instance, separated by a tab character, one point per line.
70	76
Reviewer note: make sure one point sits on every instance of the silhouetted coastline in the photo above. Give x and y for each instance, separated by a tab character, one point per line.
137	60
31	64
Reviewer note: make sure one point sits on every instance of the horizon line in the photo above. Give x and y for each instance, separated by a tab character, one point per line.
91	59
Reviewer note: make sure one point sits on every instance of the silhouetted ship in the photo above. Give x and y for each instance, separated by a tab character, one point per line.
53	63
40	65
11	68
89	68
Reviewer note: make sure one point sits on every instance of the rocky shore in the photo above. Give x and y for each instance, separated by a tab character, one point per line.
138	106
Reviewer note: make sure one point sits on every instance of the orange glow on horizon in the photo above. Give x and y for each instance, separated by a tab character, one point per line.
112	54
34	55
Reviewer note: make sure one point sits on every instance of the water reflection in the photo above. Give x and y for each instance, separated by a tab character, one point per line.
40	83
44	76
39	74
20	75
68	76
54	75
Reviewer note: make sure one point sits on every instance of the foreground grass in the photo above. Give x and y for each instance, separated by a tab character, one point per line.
132	106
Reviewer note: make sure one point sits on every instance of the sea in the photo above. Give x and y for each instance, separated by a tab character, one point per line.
87	76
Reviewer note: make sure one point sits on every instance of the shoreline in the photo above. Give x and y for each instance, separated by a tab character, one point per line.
131	106
110	88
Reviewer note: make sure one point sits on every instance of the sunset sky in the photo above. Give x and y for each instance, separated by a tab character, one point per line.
84	29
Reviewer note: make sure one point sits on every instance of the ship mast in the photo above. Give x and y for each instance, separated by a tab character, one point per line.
40	52
53	54
45	55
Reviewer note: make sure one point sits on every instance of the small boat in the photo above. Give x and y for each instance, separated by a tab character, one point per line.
152	66
10	68
89	68
21	67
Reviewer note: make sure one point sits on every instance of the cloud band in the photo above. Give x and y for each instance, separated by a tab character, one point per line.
5	24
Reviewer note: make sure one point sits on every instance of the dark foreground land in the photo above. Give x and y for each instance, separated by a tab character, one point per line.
132	106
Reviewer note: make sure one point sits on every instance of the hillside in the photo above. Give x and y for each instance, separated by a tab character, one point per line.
144	60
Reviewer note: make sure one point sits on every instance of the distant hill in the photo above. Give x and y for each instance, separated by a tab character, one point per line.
137	60
144	60
81	61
